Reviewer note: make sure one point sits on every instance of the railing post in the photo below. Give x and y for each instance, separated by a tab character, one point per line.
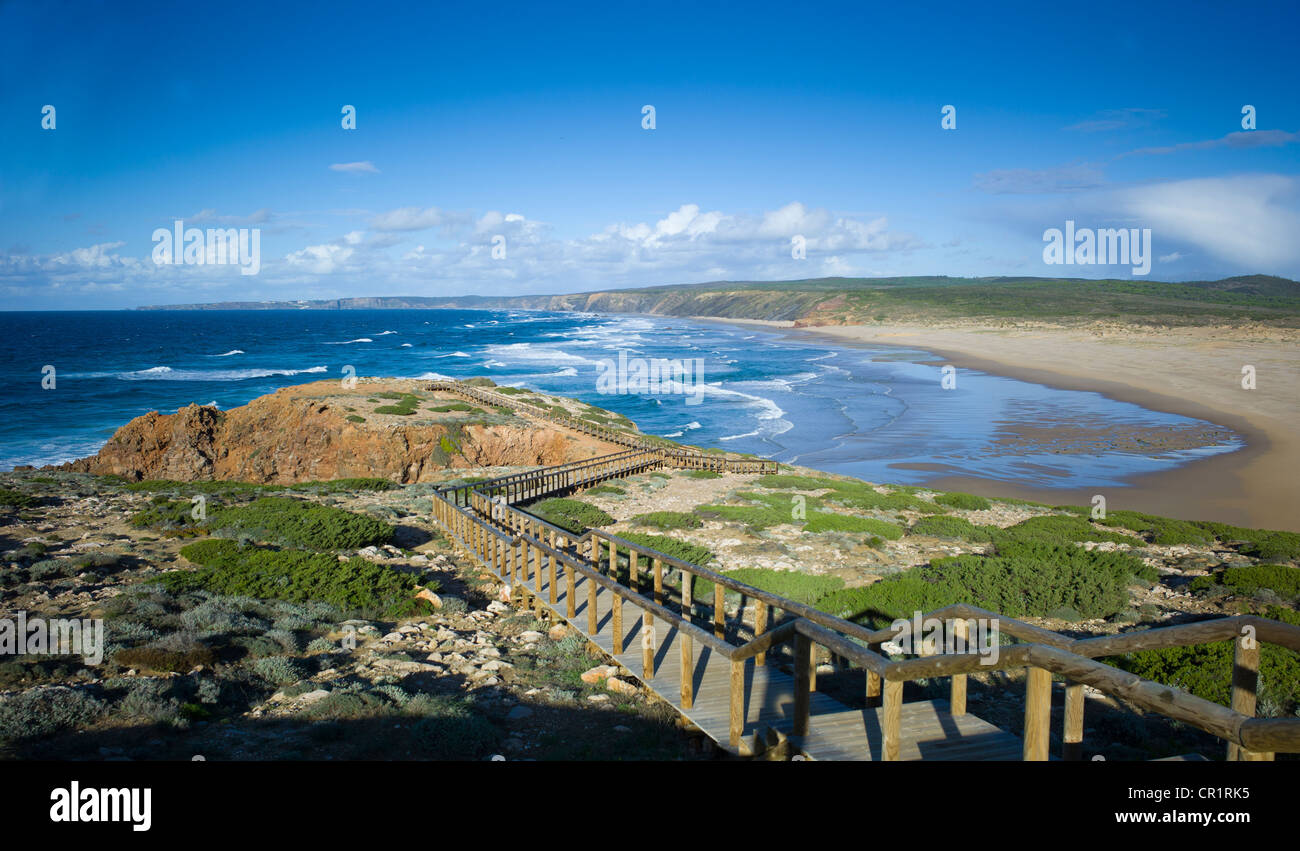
1072	734
719	611
570	597
1245	680
802	693
632	572
957	697
737	725
891	721
647	646
592	621
659	582
617	615
1038	714
873	681
688	590
688	669
551	577
760	627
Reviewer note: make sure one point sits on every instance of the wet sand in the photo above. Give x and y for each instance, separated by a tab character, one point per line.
1195	372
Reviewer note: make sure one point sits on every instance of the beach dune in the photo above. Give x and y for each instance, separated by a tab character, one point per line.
1196	372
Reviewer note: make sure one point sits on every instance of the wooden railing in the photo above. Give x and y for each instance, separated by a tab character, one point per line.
521	547
671	455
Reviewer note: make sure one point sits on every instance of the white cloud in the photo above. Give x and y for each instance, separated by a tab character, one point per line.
408	218
320	259
1249	220
1026	181
684	244
364	167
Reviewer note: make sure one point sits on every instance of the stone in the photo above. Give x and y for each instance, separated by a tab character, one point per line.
598	698
313	696
426	594
593	676
557	632
519	713
530	636
497	607
618	686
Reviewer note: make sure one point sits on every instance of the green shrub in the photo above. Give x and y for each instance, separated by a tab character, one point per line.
1278	578
368	483
967	501
1056	529
571	514
1283	614
295	522
164	513
753	516
355	418
404	408
947	526
678	549
1024	578
1206	671
279	670
45	710
820	521
599	489
1165	531
668	520
793	482
1259	543
163	661
895	597
853	494
16	499
793	585
294	575
703	474
453	406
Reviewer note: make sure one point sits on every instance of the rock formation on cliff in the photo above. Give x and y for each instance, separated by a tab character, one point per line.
322	431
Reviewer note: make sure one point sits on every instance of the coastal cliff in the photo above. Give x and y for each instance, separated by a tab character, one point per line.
320	431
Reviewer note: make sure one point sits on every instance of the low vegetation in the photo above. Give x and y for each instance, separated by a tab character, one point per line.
228	568
572	514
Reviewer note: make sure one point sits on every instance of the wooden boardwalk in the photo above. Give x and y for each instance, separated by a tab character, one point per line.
837	732
638	606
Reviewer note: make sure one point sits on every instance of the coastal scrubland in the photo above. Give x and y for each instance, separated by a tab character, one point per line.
331	619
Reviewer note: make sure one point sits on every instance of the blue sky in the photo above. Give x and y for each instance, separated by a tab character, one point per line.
524	122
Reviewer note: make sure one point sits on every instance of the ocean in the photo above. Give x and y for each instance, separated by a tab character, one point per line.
883	414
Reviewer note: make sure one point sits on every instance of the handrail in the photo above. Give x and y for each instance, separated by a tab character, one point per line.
1043	654
686	457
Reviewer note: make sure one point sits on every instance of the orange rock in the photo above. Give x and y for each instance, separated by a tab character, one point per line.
301	434
618	686
595	675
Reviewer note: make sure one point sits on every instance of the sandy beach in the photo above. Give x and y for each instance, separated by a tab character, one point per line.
1195	372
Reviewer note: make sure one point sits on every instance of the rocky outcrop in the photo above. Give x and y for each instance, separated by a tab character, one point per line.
303	434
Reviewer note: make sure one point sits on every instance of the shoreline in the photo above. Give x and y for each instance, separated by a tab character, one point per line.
1254	486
